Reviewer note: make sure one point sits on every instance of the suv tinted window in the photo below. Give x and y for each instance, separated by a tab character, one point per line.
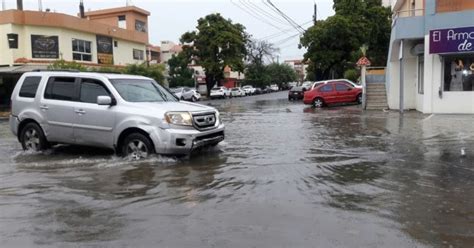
29	87
60	88
91	89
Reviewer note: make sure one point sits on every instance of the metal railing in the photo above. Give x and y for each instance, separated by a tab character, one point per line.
407	13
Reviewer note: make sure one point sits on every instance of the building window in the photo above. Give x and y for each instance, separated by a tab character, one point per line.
421	75
140	26
138	54
115	43
12	41
122	22
459	73
81	50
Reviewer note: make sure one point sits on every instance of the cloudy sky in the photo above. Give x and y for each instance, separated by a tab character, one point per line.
171	18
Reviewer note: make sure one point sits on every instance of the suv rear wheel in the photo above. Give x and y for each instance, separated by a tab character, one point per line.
32	138
137	146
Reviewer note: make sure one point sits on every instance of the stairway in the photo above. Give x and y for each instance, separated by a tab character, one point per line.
376	96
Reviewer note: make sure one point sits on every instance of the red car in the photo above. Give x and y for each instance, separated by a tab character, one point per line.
332	92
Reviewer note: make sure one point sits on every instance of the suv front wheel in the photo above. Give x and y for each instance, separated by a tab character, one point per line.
137	146
32	138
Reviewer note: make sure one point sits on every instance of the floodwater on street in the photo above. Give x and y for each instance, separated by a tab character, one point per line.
287	175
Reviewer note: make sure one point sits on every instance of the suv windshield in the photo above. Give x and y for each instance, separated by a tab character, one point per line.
142	90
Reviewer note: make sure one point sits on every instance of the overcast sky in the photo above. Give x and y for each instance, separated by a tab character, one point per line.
169	19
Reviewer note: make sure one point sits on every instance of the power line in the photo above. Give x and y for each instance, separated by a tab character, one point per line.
266	13
256	17
257	13
278	11
272	36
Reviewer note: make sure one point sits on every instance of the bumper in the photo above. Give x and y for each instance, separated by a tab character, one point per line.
217	94
184	141
14	123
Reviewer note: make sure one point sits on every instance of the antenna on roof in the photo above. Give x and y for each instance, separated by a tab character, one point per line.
40	5
129	3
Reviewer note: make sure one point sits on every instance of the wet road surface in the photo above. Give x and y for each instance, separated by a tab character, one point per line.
286	176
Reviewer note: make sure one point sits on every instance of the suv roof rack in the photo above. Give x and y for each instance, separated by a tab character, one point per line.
60	70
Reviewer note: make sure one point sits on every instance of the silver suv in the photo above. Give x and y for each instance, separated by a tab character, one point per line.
133	115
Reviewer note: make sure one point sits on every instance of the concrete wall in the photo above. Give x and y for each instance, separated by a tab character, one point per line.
123	54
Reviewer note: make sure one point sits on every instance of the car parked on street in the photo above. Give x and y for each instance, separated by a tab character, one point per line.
219	92
347	81
133	115
332	92
274	88
249	90
185	93
237	92
296	93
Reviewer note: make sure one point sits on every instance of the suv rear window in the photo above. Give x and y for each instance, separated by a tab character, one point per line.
29	87
60	88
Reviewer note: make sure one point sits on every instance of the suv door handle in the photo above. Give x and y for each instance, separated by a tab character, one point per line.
80	111
44	107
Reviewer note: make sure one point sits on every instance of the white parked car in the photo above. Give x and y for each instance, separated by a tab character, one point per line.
185	93
219	92
237	92
307	85
274	87
249	90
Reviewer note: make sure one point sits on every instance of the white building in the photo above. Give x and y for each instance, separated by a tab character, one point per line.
430	65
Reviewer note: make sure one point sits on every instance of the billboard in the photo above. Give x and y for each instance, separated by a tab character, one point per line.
454	40
105	50
44	47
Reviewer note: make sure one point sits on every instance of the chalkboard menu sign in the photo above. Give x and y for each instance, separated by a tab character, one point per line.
105	51
44	47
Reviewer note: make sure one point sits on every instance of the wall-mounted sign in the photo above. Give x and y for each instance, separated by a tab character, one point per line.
105	50
455	40
44	47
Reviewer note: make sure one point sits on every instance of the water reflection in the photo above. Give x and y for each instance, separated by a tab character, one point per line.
286	175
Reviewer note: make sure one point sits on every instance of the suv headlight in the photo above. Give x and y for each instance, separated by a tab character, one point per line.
179	118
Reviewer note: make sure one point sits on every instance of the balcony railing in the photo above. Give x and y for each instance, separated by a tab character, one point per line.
407	13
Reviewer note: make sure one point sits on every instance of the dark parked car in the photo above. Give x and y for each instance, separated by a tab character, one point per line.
296	93
333	92
258	91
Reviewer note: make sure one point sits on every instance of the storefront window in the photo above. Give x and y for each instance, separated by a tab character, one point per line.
81	50
459	73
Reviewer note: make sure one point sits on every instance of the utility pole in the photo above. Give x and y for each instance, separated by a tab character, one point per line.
315	16
3	5
40	5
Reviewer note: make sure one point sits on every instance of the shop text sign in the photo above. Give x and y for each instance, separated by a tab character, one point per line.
455	40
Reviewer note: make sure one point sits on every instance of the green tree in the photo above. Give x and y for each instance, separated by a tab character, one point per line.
152	71
66	65
179	72
215	44
255	70
333	45
280	74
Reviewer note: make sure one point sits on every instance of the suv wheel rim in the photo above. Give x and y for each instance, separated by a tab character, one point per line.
318	103
32	141
136	150
359	99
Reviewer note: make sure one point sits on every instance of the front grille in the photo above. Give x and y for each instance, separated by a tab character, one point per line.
203	121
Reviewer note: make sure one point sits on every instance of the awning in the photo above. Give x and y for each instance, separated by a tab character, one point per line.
21	69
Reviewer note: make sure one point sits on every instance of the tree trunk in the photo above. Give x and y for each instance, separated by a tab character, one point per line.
210	82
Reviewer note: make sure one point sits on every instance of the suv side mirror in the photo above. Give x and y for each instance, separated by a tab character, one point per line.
104	100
